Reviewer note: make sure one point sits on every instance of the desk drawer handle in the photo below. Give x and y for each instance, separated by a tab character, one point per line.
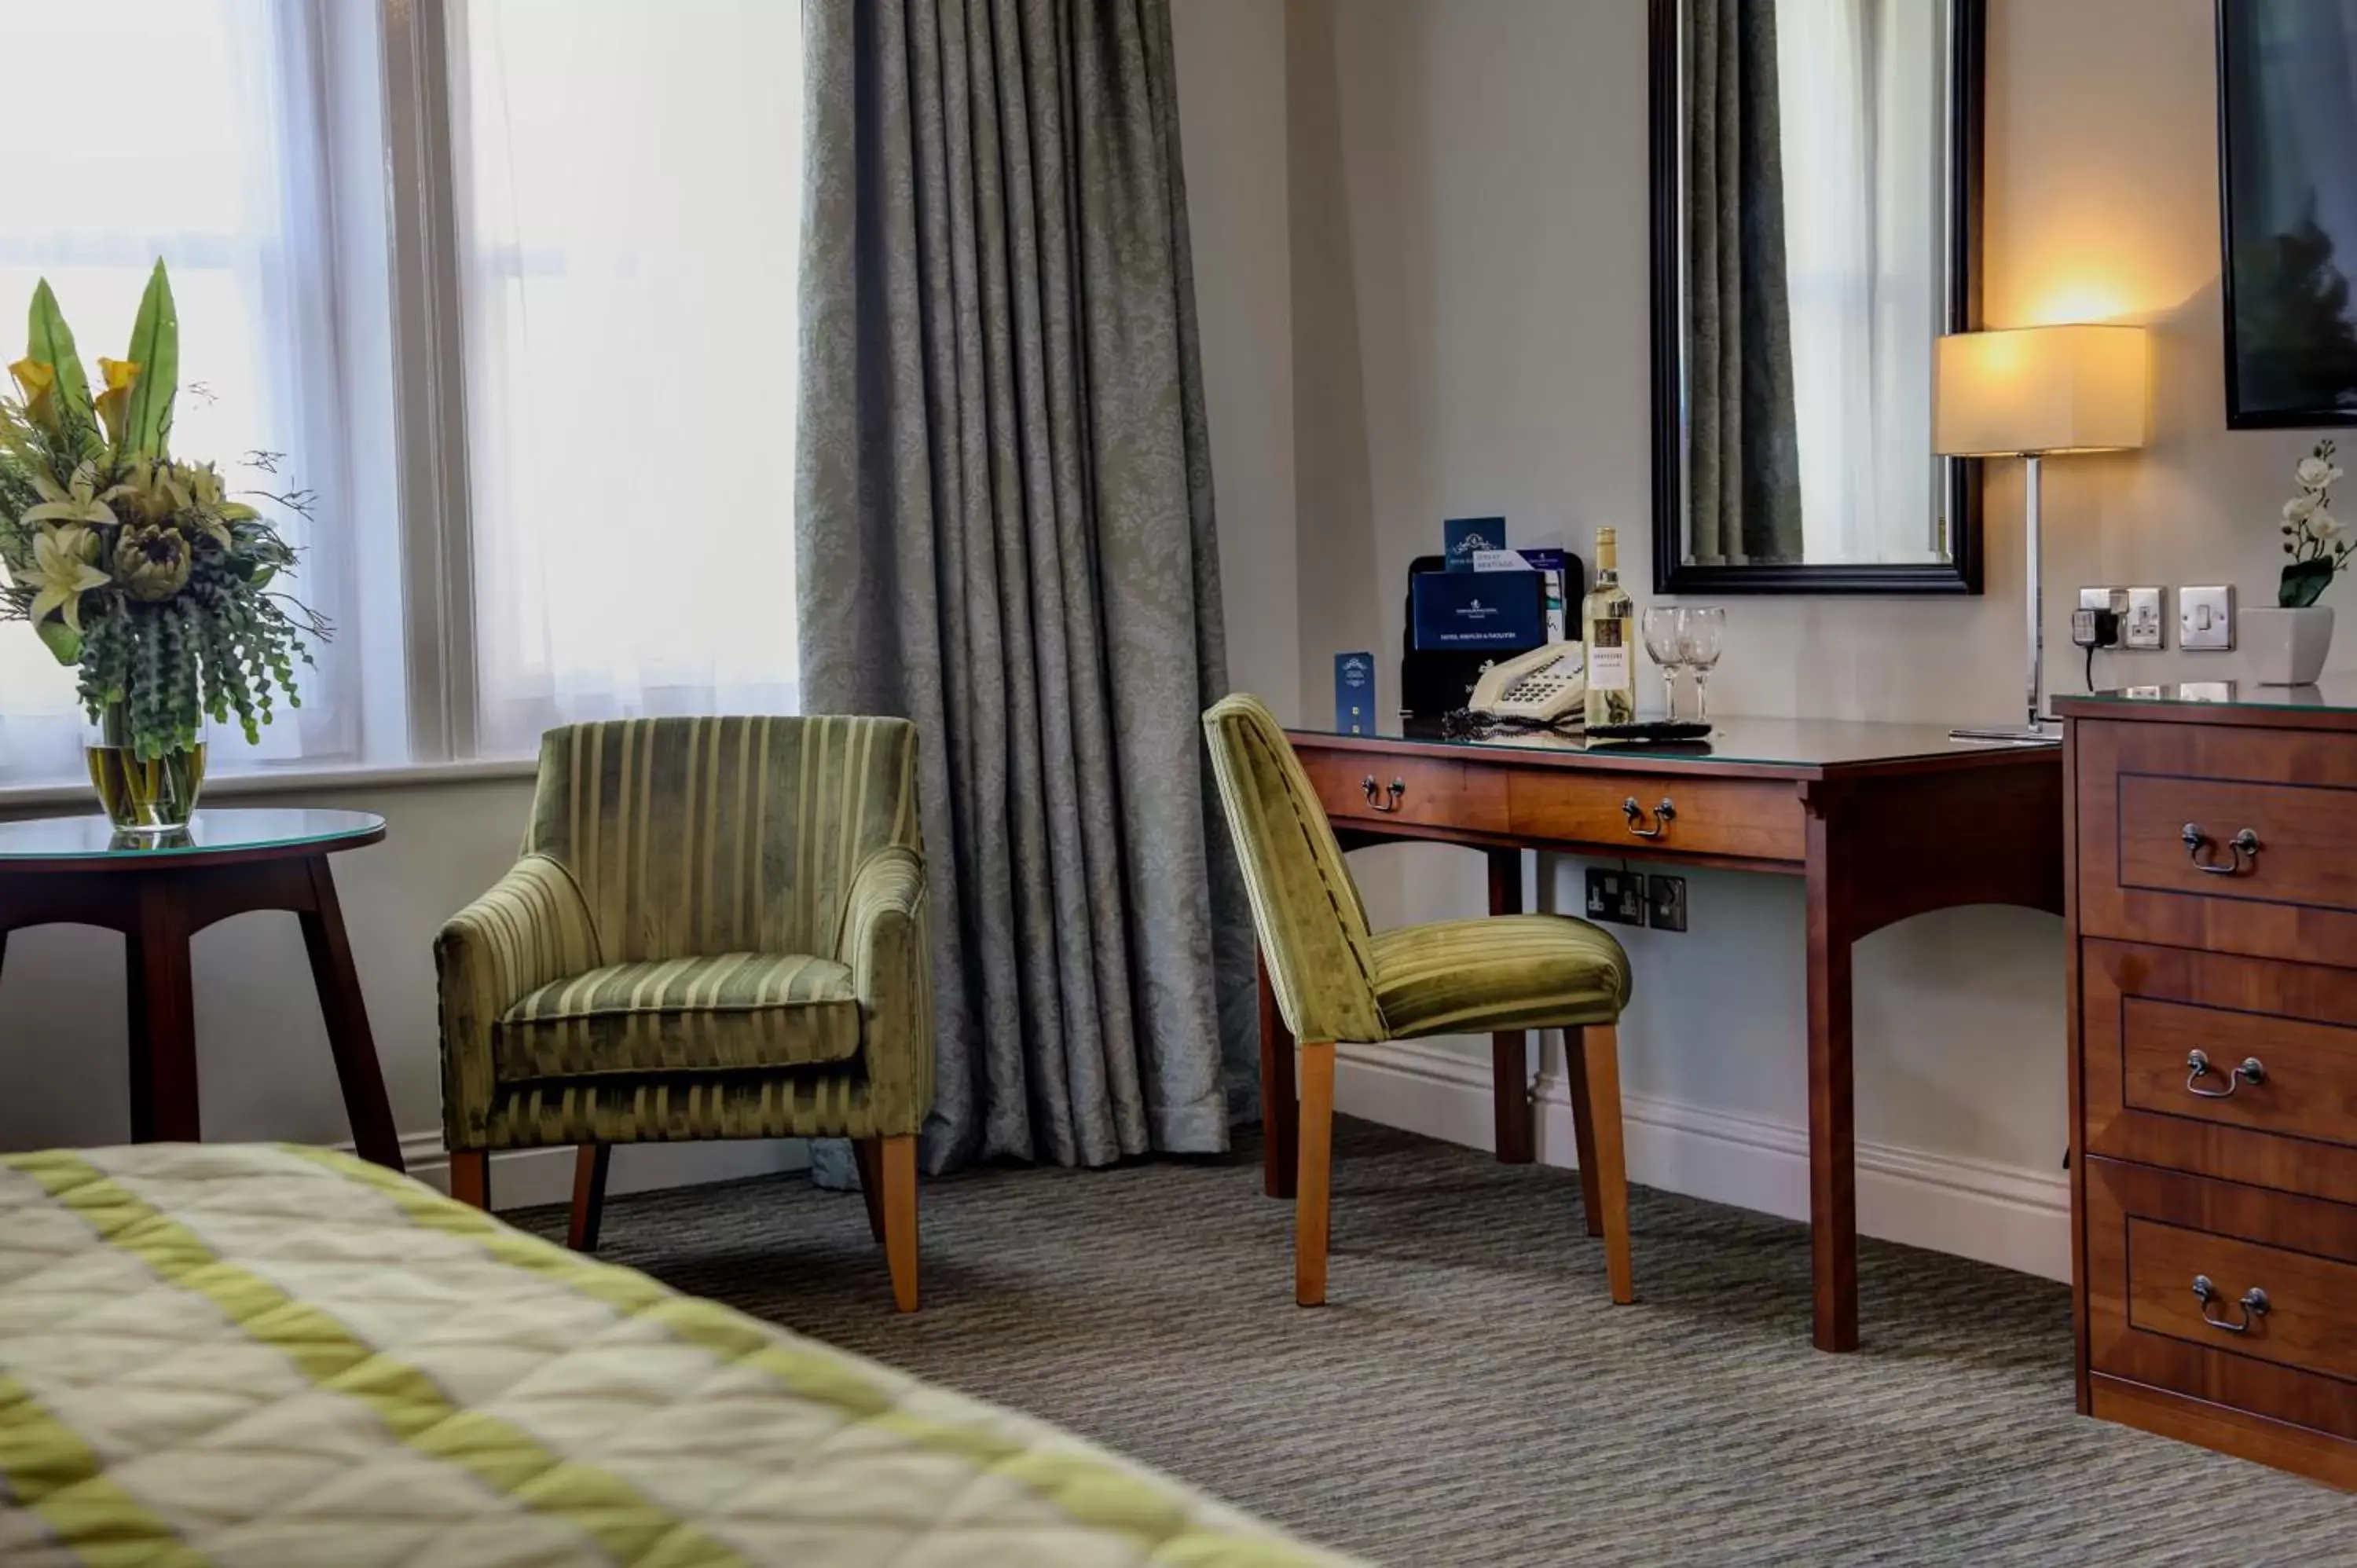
2243	851
2253	1072
2254	1306
1398	788
1664	815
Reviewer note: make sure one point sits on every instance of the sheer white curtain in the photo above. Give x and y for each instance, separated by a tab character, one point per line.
201	131
1862	104
629	212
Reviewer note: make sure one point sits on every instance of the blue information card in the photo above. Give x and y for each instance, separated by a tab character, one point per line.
1354	694
1462	536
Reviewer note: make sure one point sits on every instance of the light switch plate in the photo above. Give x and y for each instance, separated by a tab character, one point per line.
2144	628
2205	619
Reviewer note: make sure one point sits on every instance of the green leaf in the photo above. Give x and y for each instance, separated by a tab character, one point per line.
2304	583
50	341
62	640
155	350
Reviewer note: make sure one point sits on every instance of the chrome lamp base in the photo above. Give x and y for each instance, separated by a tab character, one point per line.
2036	729
2048	731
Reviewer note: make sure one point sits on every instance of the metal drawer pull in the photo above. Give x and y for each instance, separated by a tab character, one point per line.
1664	815
1398	788
2254	1305
2243	851
2253	1072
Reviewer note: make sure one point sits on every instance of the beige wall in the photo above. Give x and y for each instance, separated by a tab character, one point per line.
1468	228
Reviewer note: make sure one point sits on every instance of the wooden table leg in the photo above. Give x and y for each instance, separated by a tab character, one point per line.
1280	1108
163	1017
1510	1049
1833	1136
358	1072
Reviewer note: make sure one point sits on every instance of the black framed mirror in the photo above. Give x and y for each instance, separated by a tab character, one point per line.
1816	227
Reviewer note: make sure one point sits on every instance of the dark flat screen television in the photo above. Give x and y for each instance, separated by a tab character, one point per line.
2287	178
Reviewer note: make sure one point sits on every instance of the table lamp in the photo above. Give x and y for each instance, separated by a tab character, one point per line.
2036	392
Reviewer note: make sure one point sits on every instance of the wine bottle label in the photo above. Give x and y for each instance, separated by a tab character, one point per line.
1608	665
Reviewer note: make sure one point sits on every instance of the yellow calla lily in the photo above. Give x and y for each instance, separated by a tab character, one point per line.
115	403
61	573
73	504
37	379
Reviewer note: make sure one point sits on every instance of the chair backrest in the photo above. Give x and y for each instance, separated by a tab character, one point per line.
696	836
1313	928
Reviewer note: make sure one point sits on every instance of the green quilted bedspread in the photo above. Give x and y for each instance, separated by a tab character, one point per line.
272	1356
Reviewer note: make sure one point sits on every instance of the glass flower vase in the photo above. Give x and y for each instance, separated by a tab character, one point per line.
144	798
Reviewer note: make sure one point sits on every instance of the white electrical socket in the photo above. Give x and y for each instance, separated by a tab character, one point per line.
2143	627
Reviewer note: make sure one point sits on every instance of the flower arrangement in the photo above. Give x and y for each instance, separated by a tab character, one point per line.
134	564
2313	537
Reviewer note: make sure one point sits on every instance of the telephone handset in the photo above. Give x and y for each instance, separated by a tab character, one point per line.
1539	687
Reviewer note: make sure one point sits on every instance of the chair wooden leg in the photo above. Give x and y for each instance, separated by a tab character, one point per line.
869	1154
899	1158
588	1196
1313	1189
1583	1134
1600	1045
470	1177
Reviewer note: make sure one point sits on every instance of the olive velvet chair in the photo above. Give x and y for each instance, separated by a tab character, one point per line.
1335	980
717	931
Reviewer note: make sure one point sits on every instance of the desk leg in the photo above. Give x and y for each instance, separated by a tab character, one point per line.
163	1017
348	1039
1510	1049
1833	1137
1280	1108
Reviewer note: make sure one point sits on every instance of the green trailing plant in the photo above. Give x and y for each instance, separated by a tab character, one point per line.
2316	540
136	567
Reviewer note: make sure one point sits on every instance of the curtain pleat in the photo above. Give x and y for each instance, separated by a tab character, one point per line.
1006	531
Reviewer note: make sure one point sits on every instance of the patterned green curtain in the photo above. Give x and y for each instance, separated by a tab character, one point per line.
1005	534
1743	471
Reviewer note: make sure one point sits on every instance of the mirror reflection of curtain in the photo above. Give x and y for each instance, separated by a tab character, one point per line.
1860	128
1743	483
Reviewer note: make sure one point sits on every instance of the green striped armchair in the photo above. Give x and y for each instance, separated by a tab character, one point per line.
717	931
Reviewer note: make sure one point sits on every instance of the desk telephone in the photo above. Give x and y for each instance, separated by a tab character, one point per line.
1538	687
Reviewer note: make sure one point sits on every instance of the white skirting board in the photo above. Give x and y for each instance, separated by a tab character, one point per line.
1997	1214
526	1178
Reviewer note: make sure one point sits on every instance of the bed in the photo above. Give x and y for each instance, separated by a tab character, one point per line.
273	1355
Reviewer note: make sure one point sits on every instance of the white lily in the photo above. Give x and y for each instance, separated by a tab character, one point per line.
74	503
61	573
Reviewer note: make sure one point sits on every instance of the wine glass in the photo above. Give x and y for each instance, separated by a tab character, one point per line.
1661	630
1702	631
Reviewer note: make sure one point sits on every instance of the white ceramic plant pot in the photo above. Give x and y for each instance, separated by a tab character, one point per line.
2287	648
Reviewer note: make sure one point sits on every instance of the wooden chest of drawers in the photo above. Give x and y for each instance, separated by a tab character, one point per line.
2213	1027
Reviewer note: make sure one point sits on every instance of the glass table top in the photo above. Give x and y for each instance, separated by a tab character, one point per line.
2333	694
290	829
1801	744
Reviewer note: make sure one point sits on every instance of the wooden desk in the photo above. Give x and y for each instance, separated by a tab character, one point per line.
1882	821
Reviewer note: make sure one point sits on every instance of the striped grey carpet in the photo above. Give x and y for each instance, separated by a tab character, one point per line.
1469	1397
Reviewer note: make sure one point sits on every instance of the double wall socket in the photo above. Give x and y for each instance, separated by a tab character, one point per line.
2142	628
1633	898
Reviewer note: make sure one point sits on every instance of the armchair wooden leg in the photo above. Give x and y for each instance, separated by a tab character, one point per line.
899	1158
1583	1132
1315	1186
867	1154
588	1196
1600	1045
470	1177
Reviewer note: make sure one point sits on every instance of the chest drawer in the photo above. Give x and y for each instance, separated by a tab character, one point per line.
2229	838
1379	787
2236	1067
2228	1294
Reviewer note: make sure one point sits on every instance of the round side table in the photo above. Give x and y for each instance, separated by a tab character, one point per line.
159	895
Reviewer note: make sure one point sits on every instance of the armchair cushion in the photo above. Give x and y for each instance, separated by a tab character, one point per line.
692	1014
1507	971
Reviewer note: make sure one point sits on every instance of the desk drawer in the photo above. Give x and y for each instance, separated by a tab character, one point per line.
2223	837
1378	786
1738	818
2152	1234
2288	1122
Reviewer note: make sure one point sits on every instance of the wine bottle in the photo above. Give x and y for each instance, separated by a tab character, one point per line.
1609	622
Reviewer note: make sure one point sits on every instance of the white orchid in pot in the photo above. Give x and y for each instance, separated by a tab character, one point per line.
136	567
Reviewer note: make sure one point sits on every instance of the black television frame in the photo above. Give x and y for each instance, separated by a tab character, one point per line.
2237	416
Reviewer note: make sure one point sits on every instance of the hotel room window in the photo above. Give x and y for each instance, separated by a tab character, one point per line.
629	212
240	139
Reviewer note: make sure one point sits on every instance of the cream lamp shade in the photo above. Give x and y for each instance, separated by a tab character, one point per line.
2036	391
